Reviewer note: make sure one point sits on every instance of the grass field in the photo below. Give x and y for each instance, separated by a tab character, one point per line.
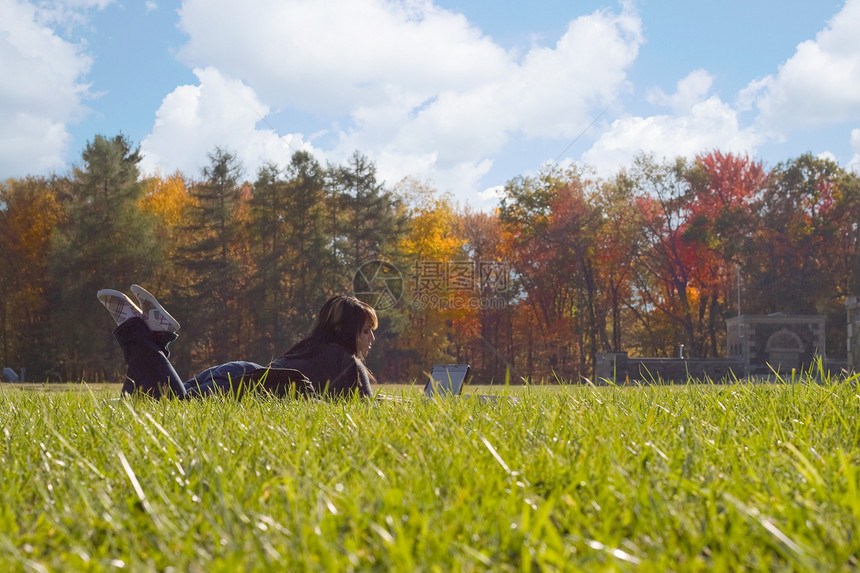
697	477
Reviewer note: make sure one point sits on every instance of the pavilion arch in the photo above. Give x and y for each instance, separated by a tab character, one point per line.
784	349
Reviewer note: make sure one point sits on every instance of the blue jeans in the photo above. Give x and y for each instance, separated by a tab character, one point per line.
222	378
150	371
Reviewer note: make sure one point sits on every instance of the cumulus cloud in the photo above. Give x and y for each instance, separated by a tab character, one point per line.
330	56
492	193
415	87
699	123
219	111
820	84
42	91
691	90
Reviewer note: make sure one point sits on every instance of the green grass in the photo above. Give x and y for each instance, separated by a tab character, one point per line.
699	477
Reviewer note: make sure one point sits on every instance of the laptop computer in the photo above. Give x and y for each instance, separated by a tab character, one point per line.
446	380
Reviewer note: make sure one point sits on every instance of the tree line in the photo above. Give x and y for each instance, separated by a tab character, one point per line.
569	265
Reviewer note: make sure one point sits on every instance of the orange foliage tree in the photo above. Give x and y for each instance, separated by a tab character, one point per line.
550	223
29	212
719	221
429	246
168	200
484	335
804	255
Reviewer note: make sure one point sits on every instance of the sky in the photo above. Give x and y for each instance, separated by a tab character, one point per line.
460	95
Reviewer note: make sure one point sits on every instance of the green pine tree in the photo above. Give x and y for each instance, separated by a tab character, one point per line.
211	261
106	241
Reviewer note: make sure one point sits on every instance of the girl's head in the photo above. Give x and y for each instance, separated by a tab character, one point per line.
347	321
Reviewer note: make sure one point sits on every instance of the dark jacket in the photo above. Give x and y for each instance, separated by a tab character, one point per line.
331	369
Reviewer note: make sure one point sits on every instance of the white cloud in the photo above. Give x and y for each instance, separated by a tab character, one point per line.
700	123
66	14
332	55
42	91
828	156
691	90
556	89
219	111
820	84
415	87
549	93
493	193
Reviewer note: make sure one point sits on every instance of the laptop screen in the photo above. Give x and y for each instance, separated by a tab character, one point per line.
446	380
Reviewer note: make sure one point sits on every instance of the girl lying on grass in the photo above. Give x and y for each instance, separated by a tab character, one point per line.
330	361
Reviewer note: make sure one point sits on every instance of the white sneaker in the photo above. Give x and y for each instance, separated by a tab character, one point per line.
156	318
119	306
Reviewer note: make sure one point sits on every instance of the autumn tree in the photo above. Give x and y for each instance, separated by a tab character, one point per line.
542	265
848	240
169	202
486	331
667	262
29	213
617	245
574	226
796	233
805	248
429	246
591	236
719	225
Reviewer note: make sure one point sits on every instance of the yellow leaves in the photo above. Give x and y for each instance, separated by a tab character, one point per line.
694	295
32	211
167	198
33	224
432	233
431	236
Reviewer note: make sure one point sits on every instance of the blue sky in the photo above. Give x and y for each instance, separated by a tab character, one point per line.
460	94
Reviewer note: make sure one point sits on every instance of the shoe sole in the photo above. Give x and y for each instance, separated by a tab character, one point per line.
147	299
106	294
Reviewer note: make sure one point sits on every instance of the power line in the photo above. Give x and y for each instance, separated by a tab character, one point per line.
575	139
272	127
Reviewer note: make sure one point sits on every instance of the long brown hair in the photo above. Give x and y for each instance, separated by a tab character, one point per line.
340	320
